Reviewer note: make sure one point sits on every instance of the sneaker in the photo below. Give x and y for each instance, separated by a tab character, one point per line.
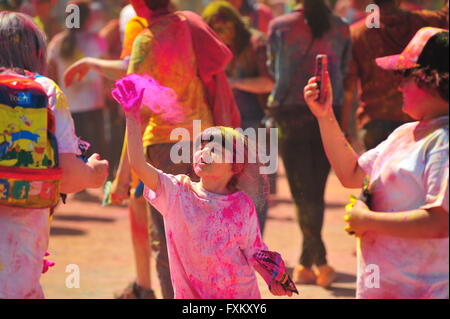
304	275
134	291
326	275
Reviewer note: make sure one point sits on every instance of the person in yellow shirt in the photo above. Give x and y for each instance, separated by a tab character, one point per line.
141	288
164	51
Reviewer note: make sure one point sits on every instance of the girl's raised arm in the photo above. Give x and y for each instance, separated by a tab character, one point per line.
125	93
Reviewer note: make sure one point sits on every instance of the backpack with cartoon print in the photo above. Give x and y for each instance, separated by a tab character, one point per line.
29	169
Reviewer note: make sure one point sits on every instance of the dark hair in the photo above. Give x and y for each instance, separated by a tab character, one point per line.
22	44
157	4
433	69
431	79
317	15
224	11
69	41
11	5
247	7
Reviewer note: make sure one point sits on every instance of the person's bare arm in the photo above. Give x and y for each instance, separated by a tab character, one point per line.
255	85
111	69
125	93
146	172
121	183
340	153
419	223
78	175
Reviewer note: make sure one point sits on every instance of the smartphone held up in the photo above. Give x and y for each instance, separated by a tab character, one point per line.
321	71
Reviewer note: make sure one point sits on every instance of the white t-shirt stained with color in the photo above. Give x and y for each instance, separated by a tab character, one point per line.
408	171
211	240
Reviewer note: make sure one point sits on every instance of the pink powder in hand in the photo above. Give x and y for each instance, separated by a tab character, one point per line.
159	99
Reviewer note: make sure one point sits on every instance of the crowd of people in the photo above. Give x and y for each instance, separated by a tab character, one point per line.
233	64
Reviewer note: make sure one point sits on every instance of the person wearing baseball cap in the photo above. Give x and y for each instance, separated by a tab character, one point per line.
401	223
378	104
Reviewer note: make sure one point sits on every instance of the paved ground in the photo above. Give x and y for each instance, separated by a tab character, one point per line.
97	240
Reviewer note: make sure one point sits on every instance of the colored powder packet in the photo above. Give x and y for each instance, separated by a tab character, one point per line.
273	263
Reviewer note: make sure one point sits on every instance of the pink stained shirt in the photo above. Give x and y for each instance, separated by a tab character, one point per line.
24	233
408	171
211	240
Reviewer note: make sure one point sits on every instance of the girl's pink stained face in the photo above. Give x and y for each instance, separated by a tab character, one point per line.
416	100
208	163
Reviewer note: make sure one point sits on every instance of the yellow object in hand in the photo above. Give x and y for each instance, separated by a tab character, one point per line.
350	205
348	209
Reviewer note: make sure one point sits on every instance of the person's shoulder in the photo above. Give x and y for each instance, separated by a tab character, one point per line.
404	128
437	135
54	92
182	179
244	200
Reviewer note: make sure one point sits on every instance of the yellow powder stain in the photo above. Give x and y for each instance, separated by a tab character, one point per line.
1	267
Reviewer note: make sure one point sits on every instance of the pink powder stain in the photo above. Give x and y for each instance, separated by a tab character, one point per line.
159	99
228	212
257	242
32	293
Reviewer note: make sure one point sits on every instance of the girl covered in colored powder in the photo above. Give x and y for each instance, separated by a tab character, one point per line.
212	230
402	221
